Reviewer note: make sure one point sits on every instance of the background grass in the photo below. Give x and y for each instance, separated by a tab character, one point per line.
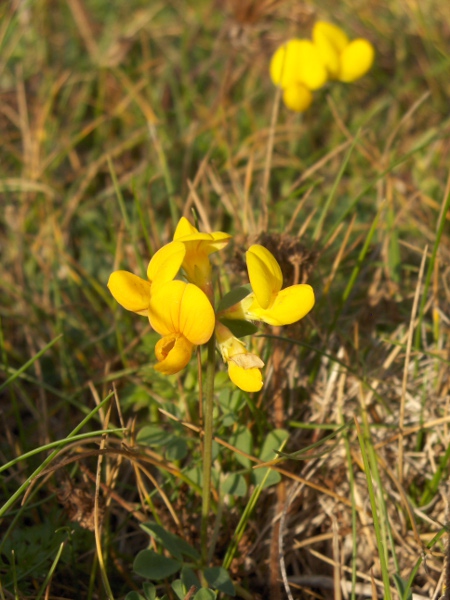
117	118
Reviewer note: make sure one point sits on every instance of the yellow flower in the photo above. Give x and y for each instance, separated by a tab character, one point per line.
345	60
199	246
298	61
133	292
297	68
243	366
268	302
183	315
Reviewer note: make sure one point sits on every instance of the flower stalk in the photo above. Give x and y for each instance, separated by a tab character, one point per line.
207	446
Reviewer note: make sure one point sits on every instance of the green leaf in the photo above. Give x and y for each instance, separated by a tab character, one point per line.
218	578
149	590
204	594
273	477
134	596
171	542
234	484
189	578
151	435
179	588
239	328
274	441
154	566
234	296
176	449
242	440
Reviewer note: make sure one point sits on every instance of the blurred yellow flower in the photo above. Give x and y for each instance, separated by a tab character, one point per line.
268	302
183	315
243	366
298	61
297	68
199	246
345	60
133	292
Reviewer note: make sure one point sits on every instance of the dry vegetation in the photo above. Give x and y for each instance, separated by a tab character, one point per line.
117	118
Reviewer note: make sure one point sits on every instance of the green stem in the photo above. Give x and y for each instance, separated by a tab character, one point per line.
207	445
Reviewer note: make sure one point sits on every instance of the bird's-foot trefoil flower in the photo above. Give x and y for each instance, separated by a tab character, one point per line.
243	366
298	61
297	68
301	66
344	60
133	292
199	246
268	302
184	316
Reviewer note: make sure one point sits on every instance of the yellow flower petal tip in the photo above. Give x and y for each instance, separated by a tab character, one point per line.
297	97
356	60
330	41
199	246
332	33
210	242
264	273
243	366
246	379
130	291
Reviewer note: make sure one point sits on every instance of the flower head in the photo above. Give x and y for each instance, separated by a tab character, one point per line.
345	60
198	247
297	68
183	315
268	302
243	366
298	61
133	292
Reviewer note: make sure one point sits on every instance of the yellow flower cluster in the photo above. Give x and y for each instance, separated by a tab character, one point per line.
301	66
182	311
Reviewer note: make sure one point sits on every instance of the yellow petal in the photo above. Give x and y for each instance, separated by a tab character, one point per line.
290	305
199	246
356	60
248	380
312	71
298	61
284	63
131	291
177	307
197	318
264	273
297	97
184	228
166	263
334	34
330	40
206	242
173	353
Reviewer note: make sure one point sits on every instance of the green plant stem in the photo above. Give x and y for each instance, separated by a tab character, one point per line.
207	445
